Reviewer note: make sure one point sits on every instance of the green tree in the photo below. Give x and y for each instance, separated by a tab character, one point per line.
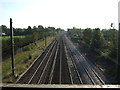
40	27
35	36
113	39
35	28
87	37
98	40
5	30
29	30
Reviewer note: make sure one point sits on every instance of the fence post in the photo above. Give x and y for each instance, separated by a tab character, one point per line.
12	47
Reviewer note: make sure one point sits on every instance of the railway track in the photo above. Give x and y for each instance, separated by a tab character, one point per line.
74	74
37	66
60	63
84	67
50	68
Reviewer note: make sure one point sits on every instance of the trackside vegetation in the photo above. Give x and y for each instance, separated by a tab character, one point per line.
23	60
23	37
100	46
31	38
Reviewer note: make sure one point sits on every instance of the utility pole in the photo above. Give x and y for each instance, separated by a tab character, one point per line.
12	47
118	73
118	77
45	37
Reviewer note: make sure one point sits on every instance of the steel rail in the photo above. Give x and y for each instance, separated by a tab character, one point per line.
41	63
34	62
70	73
68	65
74	65
90	69
60	60
88	73
65	67
53	66
77	58
59	66
95	72
39	82
77	71
98	77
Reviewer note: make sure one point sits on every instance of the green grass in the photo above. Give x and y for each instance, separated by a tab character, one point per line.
22	61
8	37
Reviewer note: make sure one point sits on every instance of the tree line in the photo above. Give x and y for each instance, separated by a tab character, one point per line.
96	40
30	36
30	30
101	47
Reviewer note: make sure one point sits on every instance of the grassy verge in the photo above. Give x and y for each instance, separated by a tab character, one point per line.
22	60
8	37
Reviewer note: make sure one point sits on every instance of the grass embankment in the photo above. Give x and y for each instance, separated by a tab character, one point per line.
23	60
8	37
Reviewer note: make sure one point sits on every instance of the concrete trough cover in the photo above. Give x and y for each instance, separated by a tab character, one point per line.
58	86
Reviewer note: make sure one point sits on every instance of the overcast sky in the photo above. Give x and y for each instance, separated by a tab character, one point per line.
59	13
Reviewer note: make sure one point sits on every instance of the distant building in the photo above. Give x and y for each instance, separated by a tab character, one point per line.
3	34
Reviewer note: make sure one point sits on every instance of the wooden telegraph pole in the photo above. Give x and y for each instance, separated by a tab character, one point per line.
118	73
45	37
12	47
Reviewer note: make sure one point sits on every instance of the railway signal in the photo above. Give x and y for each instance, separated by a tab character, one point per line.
12	47
112	25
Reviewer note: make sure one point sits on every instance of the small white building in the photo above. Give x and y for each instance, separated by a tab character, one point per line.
3	34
